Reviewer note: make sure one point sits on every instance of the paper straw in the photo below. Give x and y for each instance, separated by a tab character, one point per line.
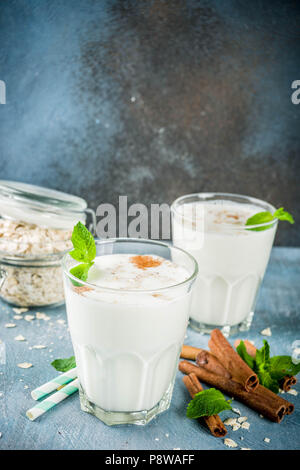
54	384
52	401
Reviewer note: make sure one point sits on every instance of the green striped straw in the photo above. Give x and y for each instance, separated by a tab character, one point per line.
55	384
52	401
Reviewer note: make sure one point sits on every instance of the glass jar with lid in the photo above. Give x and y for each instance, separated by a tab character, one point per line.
35	232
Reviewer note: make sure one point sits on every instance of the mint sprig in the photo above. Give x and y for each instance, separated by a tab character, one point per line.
270	370
242	351
280	366
262	367
207	403
81	271
264	217
84	251
63	365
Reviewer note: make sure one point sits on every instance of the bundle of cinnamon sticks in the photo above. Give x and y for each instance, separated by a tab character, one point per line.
223	369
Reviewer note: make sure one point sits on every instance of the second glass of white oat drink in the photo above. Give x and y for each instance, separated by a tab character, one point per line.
232	257
127	325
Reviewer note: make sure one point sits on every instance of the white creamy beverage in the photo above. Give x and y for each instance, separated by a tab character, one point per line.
127	341
231	259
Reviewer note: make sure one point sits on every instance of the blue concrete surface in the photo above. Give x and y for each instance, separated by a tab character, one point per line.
152	99
67	427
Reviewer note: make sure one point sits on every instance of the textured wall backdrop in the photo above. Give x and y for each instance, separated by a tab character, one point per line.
153	99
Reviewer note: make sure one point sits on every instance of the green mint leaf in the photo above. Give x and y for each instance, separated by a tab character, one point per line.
264	217
242	351
84	251
84	244
260	218
262	367
262	357
63	365
78	255
265	378
207	403
280	366
281	214
81	271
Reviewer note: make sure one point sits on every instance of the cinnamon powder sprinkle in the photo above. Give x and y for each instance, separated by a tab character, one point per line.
80	289
145	261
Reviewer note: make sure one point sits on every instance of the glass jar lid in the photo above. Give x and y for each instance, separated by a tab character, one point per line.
41	206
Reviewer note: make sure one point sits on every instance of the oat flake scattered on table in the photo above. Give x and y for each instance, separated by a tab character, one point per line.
230	442
266	439
24	365
236	427
20	338
266	332
20	310
42	316
292	391
10	325
242	419
230	421
245	425
39	346
29	317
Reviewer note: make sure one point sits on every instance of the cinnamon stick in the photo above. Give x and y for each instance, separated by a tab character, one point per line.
214	423
189	352
286	383
261	399
230	359
209	362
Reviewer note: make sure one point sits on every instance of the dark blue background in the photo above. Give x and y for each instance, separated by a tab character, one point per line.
152	99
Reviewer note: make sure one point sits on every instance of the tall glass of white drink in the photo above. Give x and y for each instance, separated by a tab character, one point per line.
127	324
232	257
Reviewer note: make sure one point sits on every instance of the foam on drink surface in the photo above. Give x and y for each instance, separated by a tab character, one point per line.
131	272
216	215
126	272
